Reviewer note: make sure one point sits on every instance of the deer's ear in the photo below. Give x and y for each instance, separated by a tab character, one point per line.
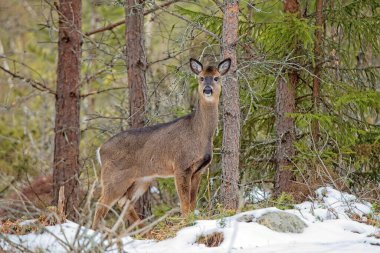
196	66
224	66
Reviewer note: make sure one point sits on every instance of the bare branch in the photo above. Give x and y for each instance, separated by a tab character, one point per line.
121	22
37	85
219	4
101	91
357	68
195	25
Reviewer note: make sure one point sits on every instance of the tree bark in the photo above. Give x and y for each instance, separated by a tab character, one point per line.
231	109
285	131
317	70
67	128
284	124
136	67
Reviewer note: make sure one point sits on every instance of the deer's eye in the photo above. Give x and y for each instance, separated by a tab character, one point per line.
202	79
216	79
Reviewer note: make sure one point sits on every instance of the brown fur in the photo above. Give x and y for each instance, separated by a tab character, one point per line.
211	71
181	149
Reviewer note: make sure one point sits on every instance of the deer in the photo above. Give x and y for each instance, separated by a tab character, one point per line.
182	148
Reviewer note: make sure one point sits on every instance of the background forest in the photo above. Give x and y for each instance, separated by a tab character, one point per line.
328	59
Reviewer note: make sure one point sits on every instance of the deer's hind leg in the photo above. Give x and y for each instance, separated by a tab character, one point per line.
111	192
137	189
195	180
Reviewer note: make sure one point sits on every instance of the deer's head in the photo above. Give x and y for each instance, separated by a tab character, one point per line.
209	79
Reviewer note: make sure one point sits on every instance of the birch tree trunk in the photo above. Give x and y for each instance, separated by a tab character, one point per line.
231	109
67	129
136	67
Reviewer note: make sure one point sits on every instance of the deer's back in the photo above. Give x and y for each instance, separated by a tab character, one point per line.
155	150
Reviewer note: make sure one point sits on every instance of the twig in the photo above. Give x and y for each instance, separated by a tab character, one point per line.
121	22
195	25
101	91
170	56
95	116
121	217
37	85
61	202
6	187
92	77
151	225
358	68
219	4
12	244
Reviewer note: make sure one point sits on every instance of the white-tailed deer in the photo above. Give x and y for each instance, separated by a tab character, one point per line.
181	149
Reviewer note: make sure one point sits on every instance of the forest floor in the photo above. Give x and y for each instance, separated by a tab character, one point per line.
336	222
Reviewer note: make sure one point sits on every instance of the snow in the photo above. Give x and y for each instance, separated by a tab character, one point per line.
256	195
154	190
330	229
343	203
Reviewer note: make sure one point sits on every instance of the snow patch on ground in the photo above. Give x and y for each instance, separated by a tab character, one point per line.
329	230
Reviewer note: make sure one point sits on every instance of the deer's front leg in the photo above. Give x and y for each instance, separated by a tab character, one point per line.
195	180
182	182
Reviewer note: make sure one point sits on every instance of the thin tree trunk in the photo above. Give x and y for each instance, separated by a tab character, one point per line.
231	110
285	130
136	66
90	107
67	129
317	70
284	125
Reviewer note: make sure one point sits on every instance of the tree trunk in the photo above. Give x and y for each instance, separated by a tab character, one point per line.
317	70
231	110
284	125
136	66
285	130
67	129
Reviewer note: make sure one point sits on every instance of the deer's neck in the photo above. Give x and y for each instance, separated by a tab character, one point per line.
205	120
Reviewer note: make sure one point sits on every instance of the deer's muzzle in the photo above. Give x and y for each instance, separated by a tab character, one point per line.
207	91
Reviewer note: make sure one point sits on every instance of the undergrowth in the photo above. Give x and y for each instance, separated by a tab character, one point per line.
22	226
211	240
169	227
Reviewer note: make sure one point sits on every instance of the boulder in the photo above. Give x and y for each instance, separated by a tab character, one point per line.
282	222
247	218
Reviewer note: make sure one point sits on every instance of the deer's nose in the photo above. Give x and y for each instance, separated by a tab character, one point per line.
207	91
208	80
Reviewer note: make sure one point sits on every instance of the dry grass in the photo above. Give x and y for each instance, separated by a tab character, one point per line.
211	240
369	219
168	228
15	228
48	218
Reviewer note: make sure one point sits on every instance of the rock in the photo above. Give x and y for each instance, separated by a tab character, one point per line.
246	218
282	222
